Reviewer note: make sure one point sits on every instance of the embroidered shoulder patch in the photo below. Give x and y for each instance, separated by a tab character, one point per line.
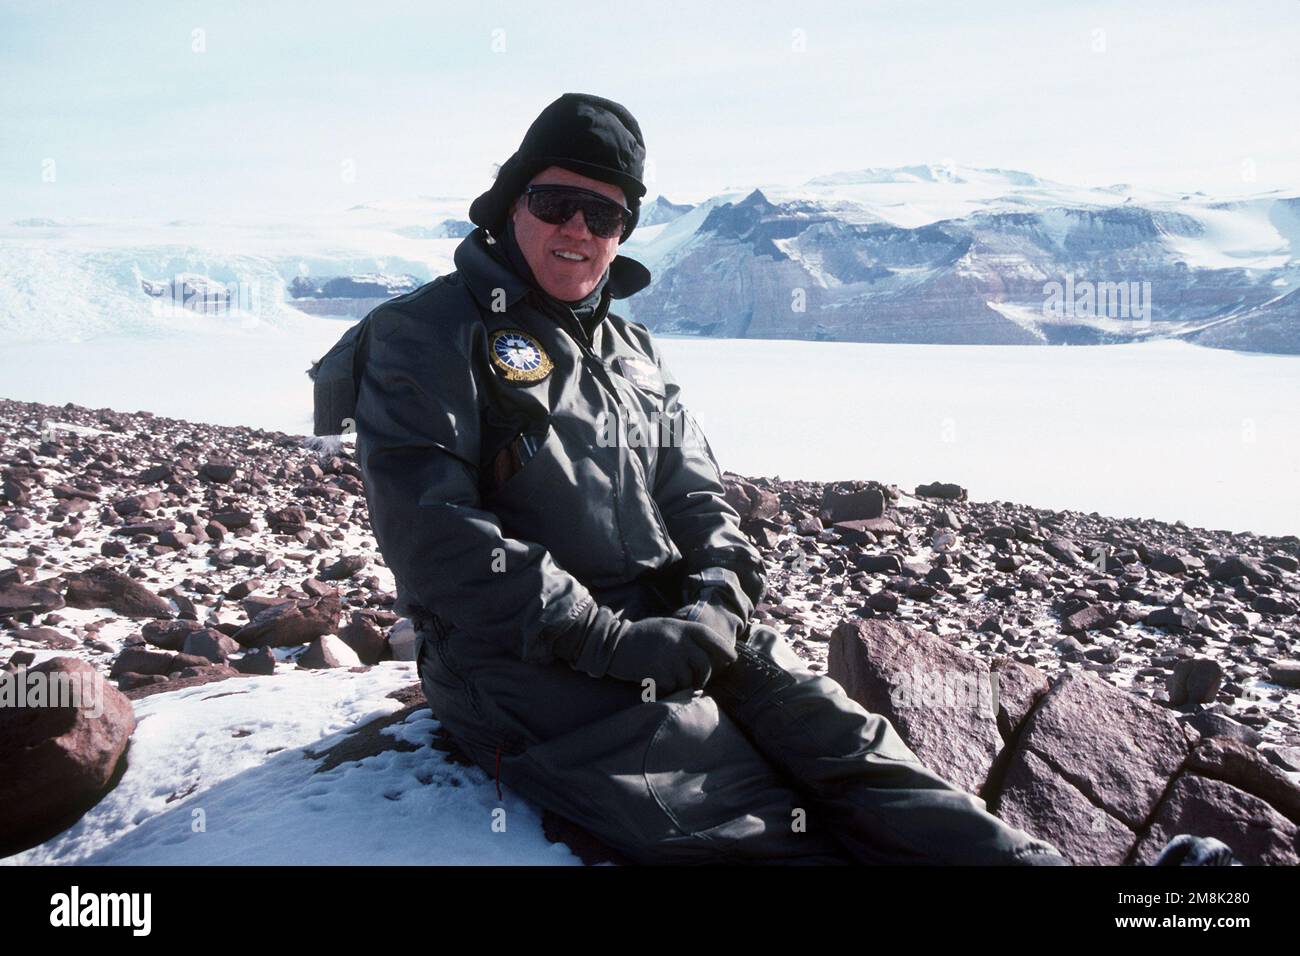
519	356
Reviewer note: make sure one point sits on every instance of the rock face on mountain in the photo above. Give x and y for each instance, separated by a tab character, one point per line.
351	287
1105	683
350	295
1273	326
1031	266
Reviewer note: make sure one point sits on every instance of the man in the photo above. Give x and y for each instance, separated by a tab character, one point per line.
584	597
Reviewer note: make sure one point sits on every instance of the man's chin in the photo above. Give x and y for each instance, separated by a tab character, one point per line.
567	291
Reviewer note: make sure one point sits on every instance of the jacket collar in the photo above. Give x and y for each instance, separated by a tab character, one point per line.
484	274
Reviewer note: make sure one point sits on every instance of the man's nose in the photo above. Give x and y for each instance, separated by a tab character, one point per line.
576	226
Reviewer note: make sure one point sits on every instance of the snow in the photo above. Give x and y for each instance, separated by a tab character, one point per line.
1241	235
653	249
219	774
1158	429
83	280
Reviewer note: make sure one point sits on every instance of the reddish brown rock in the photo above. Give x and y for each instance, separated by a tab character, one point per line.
103	587
1037	799
938	697
58	761
1019	688
26	598
47	636
1120	751
169	635
1256	833
849	505
328	651
364	638
1246	769
137	660
286	624
749	500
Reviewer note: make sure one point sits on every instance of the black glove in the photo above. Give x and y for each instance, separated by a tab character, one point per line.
672	652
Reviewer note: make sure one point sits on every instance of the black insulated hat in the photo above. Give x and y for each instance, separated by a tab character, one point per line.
587	134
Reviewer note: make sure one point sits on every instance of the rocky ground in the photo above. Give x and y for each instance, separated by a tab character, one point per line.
1144	604
164	554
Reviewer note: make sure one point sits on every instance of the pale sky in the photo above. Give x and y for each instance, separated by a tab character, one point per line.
162	110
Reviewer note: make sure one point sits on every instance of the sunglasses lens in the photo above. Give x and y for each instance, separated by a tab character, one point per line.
602	220
555	207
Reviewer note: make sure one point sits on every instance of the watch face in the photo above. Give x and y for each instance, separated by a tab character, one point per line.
519	356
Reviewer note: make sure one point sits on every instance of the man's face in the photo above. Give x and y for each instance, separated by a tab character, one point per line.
566	279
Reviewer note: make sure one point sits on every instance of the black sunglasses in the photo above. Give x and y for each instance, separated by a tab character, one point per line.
556	204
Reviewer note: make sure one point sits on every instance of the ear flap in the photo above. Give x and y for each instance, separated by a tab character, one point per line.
636	217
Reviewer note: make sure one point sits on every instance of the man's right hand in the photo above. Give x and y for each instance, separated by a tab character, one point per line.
672	652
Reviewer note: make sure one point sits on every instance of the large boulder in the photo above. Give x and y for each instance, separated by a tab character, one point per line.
1241	765
941	489
1121	749
1117	751
48	636
1037	798
1087	618
56	762
138	660
259	661
1195	680
210	644
1285	673
1241	566
938	697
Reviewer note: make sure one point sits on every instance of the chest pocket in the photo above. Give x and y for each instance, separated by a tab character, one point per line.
642	373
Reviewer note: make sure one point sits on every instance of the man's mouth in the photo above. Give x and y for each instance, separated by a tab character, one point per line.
570	256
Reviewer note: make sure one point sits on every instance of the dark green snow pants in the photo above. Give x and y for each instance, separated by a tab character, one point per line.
775	764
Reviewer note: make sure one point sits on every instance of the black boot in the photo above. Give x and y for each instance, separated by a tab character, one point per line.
1188	850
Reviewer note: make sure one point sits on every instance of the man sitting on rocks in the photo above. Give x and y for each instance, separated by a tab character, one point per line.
585	603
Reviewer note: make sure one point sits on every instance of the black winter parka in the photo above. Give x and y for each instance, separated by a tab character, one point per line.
612	478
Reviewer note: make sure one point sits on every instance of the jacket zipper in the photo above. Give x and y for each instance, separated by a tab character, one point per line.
598	368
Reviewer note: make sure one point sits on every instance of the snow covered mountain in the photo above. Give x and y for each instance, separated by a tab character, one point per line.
977	256
926	254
